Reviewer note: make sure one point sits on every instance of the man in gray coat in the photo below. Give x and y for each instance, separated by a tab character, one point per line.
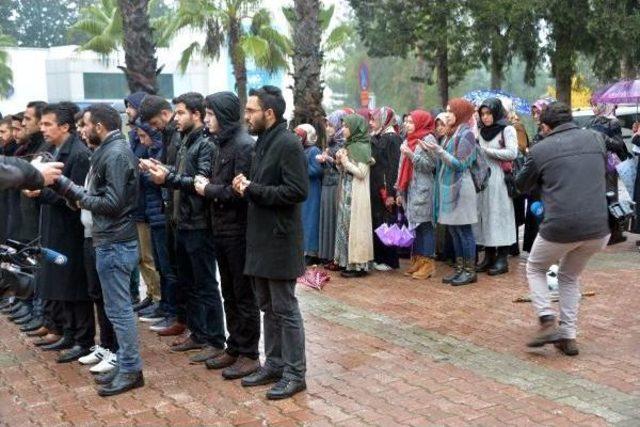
279	184
568	168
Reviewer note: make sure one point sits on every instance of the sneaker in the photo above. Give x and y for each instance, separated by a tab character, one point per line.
381	267
108	363
96	355
162	324
150	309
155	316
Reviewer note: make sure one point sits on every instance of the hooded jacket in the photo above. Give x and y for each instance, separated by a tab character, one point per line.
232	156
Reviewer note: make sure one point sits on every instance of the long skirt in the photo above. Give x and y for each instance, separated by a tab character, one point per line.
328	215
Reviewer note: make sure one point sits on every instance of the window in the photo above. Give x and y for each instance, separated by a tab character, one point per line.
114	85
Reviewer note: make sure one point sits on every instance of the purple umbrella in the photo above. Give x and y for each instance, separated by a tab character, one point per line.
625	91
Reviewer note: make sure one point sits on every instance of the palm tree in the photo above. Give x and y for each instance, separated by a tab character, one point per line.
311	40
6	75
108	29
222	21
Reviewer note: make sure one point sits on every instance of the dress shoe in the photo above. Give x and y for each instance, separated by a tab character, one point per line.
40	332
187	345
122	382
175	329
107	377
33	325
286	388
349	274
74	353
244	366
6	302
23	320
49	338
17	304
162	324
62	344
207	352
221	361
143	304
548	332
261	377
21	312
567	346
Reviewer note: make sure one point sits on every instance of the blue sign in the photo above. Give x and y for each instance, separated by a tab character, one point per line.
363	76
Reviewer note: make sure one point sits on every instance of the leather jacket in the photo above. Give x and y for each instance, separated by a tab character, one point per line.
193	158
112	191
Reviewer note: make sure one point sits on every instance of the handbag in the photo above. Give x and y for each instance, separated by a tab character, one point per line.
622	213
511	169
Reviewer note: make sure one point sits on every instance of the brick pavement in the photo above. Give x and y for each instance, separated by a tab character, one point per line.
384	350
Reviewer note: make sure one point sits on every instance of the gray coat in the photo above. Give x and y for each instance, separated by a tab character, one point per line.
419	196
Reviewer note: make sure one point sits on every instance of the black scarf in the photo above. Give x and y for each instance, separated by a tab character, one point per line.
499	120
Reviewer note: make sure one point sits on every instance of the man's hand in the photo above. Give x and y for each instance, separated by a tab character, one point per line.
49	171
389	202
158	173
400	201
240	184
31	194
199	183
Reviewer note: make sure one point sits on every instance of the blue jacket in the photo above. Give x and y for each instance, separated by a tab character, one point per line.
152	197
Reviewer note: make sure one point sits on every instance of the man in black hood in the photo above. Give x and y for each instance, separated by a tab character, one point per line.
234	150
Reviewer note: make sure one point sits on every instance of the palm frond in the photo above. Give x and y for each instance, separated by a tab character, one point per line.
186	55
338	37
325	16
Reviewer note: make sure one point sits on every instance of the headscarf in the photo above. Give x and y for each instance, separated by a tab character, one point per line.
358	144
307	134
385	118
365	113
604	109
335	120
423	126
500	120
462	111
540	104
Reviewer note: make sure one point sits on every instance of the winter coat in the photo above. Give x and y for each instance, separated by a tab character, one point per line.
496	214
420	193
153	196
62	231
385	149
360	223
279	185
311	207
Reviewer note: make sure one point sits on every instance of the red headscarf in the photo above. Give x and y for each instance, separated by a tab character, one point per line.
424	125
462	109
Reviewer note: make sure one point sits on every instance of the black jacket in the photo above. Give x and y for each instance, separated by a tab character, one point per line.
19	174
279	184
193	158
62	231
569	167
112	191
232	156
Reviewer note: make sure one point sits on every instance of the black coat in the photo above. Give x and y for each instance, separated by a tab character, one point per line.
385	150
62	231
279	184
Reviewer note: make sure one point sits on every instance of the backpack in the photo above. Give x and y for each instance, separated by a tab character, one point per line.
480	170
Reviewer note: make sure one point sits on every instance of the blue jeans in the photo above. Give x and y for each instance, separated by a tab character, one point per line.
114	263
464	244
424	243
196	254
163	265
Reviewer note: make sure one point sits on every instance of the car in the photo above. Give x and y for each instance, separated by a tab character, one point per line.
627	114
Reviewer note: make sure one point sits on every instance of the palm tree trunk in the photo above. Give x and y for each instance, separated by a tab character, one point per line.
139	48
238	61
307	66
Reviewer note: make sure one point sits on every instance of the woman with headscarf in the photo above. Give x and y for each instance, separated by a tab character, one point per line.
444	243
354	240
415	187
385	149
329	193
455	197
311	206
495	229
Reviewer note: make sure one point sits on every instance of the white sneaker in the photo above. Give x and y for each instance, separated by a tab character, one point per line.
381	267
96	355
109	362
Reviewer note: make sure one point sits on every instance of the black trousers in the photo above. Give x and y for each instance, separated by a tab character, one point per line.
180	295
79	322
240	302
107	334
53	316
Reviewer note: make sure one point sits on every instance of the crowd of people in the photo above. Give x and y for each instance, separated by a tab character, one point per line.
190	194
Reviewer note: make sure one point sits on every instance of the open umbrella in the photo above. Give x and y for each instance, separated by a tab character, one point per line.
622	92
520	105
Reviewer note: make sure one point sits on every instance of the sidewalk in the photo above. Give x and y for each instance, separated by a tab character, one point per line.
382	350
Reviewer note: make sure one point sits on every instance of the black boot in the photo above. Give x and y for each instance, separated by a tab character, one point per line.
458	271
501	265
488	260
468	274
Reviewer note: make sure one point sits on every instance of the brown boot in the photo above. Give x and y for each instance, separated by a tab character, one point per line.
40	332
415	265
548	332
243	367
221	361
175	329
426	270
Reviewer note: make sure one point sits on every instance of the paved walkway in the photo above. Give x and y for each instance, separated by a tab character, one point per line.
382	350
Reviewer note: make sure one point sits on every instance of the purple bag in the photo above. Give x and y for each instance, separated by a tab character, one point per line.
397	234
612	161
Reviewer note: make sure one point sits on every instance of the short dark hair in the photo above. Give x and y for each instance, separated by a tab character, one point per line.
105	115
270	98
5	121
64	112
37	106
555	114
151	106
194	101
18	116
